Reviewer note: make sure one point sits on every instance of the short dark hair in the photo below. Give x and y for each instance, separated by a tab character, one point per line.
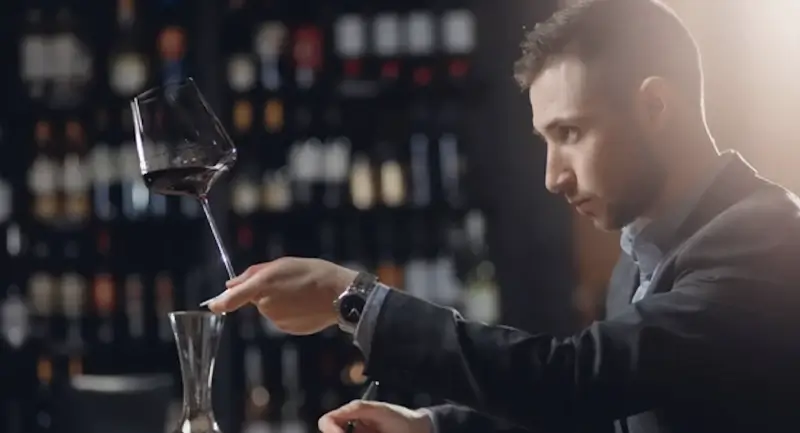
639	38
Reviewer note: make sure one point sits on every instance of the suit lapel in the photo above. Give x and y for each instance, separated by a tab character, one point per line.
737	181
624	281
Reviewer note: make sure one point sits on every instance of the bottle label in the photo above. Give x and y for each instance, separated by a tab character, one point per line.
420	33
128	74
349	36
386	35
241	73
458	31
242	116
273	115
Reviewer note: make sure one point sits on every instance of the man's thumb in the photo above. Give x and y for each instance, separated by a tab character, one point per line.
336	420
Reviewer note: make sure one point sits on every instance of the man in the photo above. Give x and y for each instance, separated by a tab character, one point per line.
702	328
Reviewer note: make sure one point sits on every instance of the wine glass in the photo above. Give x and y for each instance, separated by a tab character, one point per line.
183	148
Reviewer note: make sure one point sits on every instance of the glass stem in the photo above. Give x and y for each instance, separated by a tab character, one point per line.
226	260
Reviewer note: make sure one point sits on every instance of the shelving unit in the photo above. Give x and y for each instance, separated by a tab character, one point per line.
349	121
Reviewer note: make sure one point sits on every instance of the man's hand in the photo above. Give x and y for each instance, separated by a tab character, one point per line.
296	294
375	417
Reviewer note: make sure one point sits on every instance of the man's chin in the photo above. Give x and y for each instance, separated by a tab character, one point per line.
603	223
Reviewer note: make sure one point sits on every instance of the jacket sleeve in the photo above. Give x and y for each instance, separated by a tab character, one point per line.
450	418
690	342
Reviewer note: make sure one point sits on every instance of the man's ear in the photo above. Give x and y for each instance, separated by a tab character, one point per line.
654	103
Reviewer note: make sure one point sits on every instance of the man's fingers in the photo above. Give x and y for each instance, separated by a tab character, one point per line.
327	425
249	272
236	297
336	420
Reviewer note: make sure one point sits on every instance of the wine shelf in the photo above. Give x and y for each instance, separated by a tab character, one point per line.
348	118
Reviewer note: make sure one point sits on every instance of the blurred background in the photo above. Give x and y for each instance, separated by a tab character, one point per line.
386	135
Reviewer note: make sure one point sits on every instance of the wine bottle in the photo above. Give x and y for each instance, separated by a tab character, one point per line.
257	399
15	319
44	393
73	292
172	50
482	301
417	270
6	201
15	241
308	55
387	40
128	69
246	198
362	186
76	188
242	116
241	73
337	164
355	254
71	63
34	65
105	177
268	45
134	306
350	35
303	166
450	168
42	180
104	304
420	171
421	34
126	14
291	419
41	293
276	191
458	41
392	183
447	287
165	299
389	270
273	115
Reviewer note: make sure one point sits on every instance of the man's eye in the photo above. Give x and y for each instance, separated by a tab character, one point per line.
570	134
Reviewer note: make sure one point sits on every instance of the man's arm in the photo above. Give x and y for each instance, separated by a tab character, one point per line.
688	343
449	418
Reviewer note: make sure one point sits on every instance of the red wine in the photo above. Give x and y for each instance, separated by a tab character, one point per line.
193	181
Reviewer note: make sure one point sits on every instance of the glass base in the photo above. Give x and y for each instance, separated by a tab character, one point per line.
197	335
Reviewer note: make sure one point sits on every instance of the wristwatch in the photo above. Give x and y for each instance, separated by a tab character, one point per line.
350	304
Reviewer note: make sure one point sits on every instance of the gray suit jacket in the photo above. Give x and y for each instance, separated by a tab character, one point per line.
713	347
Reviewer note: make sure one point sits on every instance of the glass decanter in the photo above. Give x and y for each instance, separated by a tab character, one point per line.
197	335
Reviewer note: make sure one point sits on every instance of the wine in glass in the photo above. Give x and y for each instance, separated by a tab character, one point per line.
183	148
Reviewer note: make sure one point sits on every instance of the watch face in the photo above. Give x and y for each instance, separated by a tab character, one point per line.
351	307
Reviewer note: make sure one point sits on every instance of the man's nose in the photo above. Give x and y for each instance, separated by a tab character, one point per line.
557	177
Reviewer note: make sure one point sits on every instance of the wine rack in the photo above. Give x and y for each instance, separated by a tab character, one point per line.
348	118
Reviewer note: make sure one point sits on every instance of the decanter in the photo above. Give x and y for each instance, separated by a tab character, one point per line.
197	335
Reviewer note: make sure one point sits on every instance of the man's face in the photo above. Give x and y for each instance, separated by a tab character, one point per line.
598	153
